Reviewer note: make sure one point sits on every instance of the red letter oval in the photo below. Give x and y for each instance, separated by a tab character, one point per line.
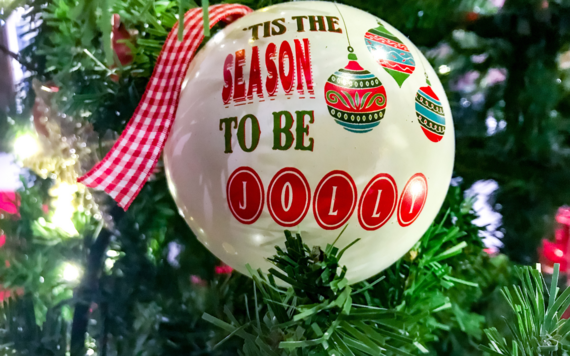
413	199
334	200
245	195
377	202
288	197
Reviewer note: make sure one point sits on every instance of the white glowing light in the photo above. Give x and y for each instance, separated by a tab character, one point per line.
417	187
258	238
49	89
71	273
109	263
184	83
26	146
112	253
64	195
444	69
219	37
112	258
380	53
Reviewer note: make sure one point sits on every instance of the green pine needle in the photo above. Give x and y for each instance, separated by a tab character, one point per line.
322	300
206	16
536	328
181	12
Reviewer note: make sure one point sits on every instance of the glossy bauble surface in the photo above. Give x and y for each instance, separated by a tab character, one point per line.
258	145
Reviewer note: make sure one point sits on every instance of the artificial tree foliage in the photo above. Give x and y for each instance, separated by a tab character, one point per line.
537	328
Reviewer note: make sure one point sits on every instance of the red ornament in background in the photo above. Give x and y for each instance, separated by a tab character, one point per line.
471	16
197	281
6	206
9	204
563	217
5	294
119	33
224	269
557	251
220	269
551	253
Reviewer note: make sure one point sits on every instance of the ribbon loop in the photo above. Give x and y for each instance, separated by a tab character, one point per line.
127	167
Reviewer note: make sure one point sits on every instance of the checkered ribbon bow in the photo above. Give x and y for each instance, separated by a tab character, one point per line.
127	167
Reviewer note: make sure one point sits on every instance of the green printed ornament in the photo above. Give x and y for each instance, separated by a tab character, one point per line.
388	51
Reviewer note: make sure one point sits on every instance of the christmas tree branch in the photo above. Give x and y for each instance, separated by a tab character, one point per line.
88	288
6	51
15	56
537	327
316	312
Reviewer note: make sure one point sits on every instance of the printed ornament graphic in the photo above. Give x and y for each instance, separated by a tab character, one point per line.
355	97
430	114
390	53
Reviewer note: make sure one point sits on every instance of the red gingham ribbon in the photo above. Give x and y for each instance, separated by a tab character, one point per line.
127	167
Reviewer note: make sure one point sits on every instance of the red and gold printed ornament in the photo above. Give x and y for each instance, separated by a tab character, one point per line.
355	97
119	36
263	132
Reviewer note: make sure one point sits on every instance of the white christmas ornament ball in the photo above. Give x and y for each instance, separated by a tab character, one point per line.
310	116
